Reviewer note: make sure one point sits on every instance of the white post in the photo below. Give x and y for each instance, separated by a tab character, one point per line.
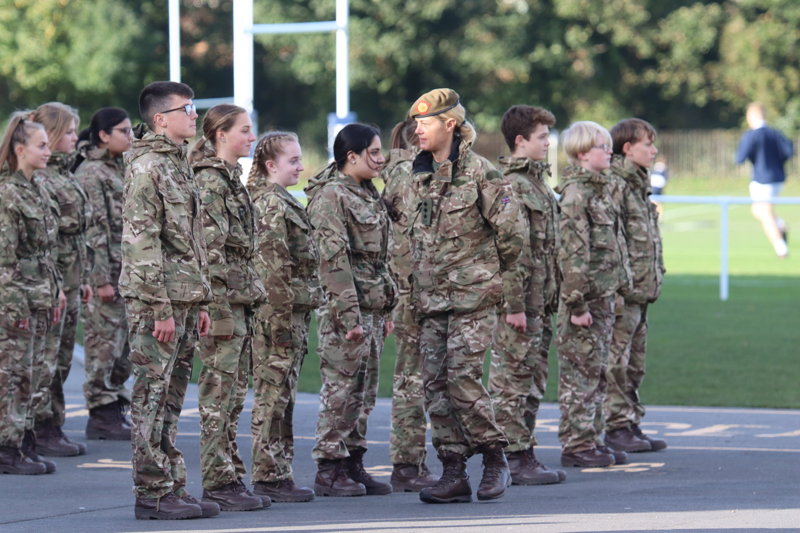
243	80
723	249
342	59
174	40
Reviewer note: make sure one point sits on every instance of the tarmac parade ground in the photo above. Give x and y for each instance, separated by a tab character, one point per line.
724	470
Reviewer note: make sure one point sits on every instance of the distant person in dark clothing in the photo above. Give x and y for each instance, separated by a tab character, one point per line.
767	149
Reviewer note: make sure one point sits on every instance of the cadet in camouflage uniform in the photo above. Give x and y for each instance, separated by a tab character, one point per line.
165	285
29	288
351	228
72	260
407	437
287	262
466	239
105	329
518	375
634	153
229	226
594	264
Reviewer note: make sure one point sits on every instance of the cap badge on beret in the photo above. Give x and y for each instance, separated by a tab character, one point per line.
422	108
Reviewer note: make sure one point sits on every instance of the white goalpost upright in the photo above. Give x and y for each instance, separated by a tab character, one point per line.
244	29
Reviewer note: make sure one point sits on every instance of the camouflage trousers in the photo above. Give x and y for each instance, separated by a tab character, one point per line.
453	349
20	366
349	372
48	398
582	386
626	367
161	375
518	378
275	375
407	436
105	343
221	392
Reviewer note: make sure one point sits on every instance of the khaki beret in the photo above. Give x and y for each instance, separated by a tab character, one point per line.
434	103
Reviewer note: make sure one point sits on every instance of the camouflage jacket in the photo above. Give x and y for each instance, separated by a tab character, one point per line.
229	222
466	236
593	255
396	195
641	229
287	258
74	213
351	228
101	178
163	246
540	210
28	276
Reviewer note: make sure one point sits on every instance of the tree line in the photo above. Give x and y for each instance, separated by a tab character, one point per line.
680	64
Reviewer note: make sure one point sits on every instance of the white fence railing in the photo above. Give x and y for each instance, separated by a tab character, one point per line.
724	203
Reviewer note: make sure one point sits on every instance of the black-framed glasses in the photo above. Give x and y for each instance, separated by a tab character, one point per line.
124	131
187	108
604	147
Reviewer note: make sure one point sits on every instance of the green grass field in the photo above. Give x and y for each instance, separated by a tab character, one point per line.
702	351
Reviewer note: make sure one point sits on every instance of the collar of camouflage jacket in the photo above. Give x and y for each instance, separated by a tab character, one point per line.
635	175
95	153
423	162
576	173
261	186
61	161
529	167
153	142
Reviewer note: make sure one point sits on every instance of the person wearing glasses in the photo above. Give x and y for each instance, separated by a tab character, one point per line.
594	265
164	281
99	168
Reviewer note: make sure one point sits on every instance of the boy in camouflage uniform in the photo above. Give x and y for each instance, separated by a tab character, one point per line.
466	239
29	290
518	375
105	328
634	153
165	283
594	264
288	261
407	436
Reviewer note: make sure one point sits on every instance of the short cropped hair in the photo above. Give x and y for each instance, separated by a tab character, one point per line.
580	137
523	120
153	98
631	130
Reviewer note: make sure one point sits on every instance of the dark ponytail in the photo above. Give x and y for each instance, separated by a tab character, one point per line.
103	120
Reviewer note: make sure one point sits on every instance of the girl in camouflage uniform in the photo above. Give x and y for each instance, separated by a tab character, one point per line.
229	228
72	260
28	288
105	329
351	227
288	263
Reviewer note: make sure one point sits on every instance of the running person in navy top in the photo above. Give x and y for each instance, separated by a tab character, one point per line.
768	150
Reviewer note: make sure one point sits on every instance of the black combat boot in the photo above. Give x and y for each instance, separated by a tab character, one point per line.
283	491
355	469
526	470
333	480
107	423
411	478
13	462
168	507
453	486
50	440
29	450
233	497
625	440
655	444
495	477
